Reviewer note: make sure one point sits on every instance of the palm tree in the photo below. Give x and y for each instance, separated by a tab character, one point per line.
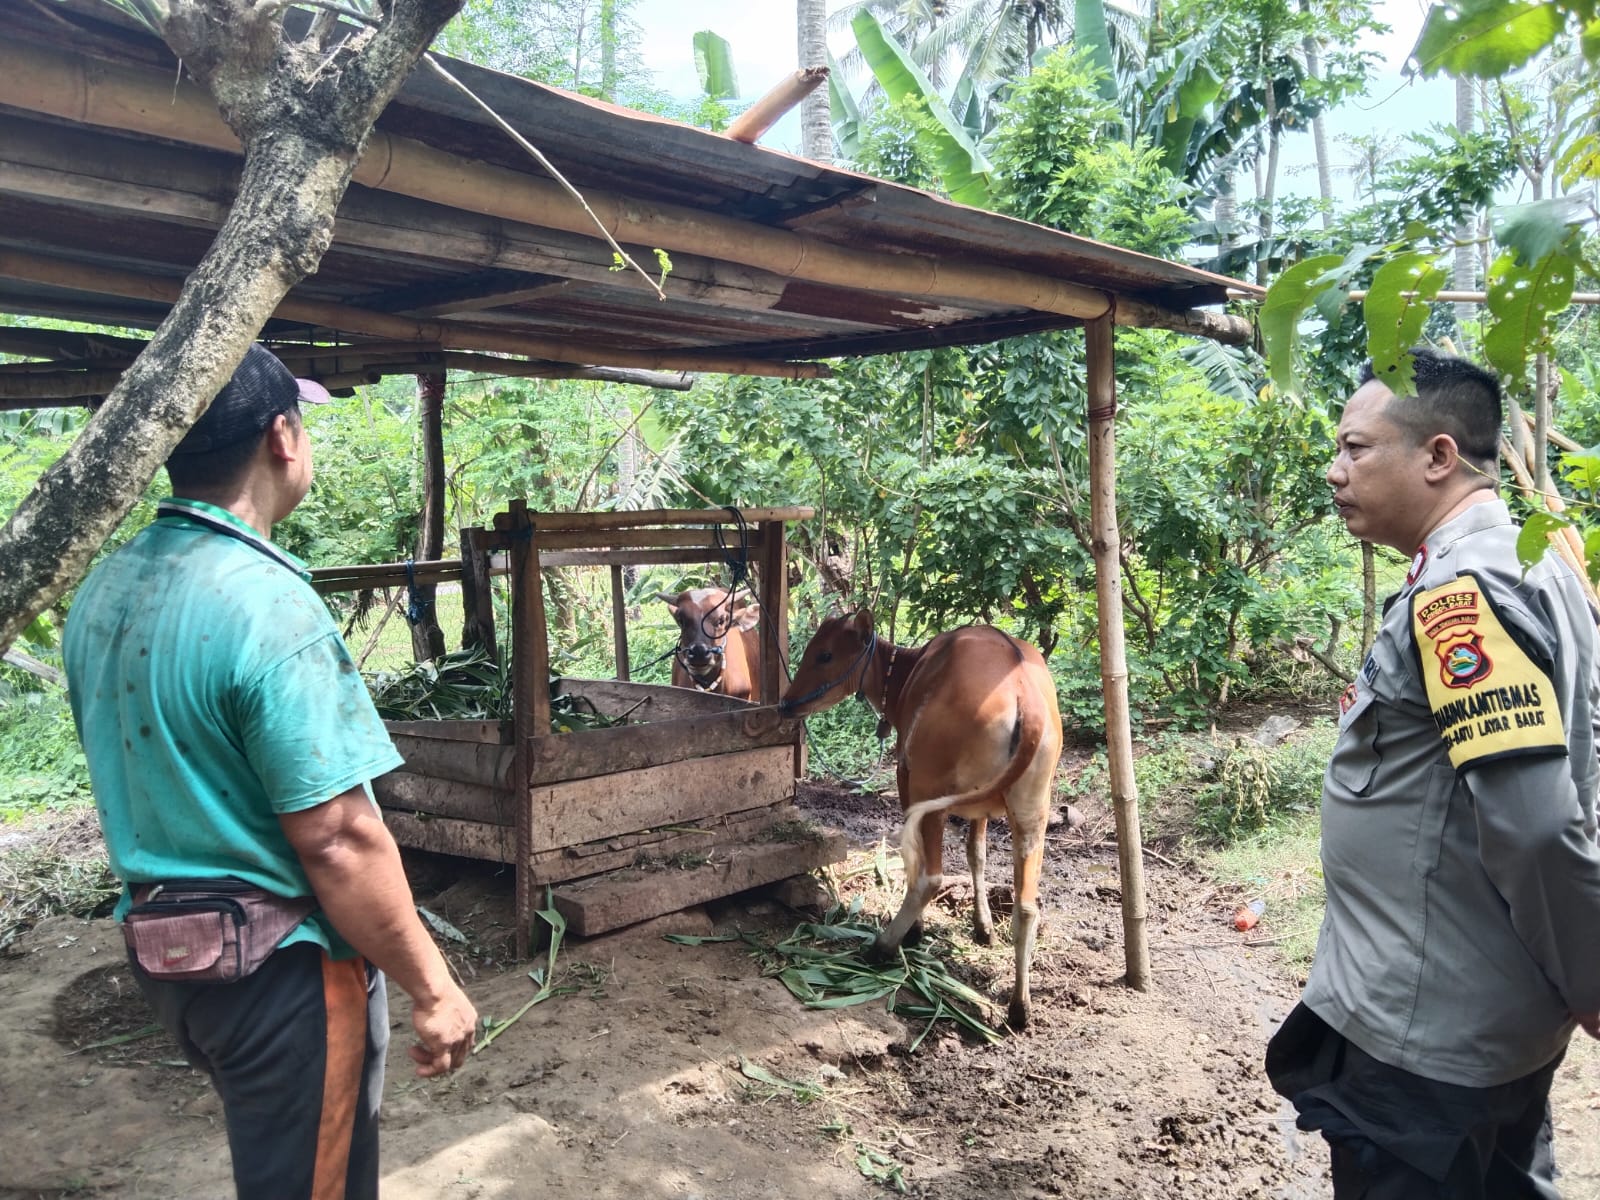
816	127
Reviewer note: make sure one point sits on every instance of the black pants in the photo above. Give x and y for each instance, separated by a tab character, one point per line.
296	1052
1399	1136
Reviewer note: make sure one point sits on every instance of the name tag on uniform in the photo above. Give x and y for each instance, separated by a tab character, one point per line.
1489	697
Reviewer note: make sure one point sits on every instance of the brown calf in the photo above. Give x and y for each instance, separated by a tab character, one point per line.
979	736
719	649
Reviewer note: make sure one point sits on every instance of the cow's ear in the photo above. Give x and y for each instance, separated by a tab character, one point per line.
745	618
862	622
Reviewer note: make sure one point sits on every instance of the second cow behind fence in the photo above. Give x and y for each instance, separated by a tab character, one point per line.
719	647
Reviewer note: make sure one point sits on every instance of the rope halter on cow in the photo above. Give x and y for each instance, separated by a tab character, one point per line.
862	660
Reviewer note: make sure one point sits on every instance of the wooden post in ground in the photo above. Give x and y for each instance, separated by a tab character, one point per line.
619	621
427	639
477	599
1098	340
530	704
774	597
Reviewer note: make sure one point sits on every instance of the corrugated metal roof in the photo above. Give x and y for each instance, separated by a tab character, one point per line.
105	197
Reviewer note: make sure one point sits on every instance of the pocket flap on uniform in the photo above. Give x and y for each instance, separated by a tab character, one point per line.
1355	754
177	943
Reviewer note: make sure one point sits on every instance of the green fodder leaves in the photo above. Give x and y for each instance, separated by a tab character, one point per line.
823	964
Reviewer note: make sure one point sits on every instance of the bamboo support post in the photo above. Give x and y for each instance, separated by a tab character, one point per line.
1098	339
144	100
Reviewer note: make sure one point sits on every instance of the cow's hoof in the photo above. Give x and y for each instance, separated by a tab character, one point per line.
914	934
983	934
1017	1014
882	951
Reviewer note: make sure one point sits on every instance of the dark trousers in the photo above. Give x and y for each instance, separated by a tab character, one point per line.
1398	1136
296	1052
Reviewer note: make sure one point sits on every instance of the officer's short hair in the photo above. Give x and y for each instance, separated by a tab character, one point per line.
1454	396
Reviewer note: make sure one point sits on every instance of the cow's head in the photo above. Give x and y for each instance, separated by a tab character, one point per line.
832	666
705	616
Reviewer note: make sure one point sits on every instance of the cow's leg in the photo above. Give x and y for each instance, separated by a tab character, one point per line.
1027	858
977	853
907	923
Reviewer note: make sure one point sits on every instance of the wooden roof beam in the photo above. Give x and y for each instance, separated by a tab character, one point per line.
73	87
450	335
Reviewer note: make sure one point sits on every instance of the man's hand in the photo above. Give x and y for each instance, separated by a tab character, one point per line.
1589	1023
444	1033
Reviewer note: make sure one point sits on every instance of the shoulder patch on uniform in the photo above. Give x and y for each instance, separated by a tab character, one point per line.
1490	699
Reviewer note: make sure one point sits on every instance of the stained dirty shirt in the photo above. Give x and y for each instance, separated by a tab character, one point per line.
212	692
1458	818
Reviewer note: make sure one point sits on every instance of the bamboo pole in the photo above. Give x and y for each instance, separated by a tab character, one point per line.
1098	341
773	629
458	335
76	88
768	111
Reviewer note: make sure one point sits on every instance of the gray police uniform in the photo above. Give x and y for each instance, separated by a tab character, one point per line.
1459	856
1458	818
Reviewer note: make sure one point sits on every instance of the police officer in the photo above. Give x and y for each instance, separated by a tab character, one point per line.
1458	952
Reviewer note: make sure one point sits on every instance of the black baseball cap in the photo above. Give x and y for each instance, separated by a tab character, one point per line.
261	388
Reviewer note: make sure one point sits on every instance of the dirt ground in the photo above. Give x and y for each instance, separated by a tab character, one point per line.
640	1084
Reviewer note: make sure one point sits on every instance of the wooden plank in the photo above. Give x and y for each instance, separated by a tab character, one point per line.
648	702
462	762
610	901
619	539
562	757
441	835
466	731
592	752
586	810
629	558
666	516
593	858
409	792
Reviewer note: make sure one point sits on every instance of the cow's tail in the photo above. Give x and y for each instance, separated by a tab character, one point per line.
1030	733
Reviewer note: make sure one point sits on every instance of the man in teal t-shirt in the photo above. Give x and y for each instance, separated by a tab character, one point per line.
229	736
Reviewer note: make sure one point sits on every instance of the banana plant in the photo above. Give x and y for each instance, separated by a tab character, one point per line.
961	165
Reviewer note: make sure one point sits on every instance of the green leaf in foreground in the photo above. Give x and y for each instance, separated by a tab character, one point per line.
1534	539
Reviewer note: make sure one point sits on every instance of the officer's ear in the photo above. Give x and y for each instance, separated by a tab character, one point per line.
1444	457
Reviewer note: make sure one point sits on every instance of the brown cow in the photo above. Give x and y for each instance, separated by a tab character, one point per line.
709	657
979	736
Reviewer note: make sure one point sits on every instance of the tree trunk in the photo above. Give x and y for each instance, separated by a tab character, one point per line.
303	113
816	125
608	50
1269	184
1465	275
427	639
1319	133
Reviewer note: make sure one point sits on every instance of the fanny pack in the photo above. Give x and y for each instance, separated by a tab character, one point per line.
208	930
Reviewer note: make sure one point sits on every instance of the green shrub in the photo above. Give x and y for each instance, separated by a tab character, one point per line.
41	763
1254	787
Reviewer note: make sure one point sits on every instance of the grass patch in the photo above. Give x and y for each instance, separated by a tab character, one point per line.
1281	865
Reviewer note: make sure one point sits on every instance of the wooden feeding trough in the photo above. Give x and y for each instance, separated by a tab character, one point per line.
690	800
